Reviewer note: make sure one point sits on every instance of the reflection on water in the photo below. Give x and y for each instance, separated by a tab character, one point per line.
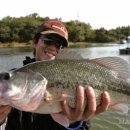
110	120
14	51
12	58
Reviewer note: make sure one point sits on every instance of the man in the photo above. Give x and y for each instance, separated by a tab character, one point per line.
50	38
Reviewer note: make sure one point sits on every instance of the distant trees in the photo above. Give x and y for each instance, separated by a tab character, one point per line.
102	35
22	29
79	31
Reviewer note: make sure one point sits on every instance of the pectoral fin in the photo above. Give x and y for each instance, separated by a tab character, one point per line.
61	119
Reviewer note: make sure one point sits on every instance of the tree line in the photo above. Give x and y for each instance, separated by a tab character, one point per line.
22	29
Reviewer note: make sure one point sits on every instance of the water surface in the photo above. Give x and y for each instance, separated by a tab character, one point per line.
110	120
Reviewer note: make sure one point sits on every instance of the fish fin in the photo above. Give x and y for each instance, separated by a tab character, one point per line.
67	54
61	119
52	100
123	108
117	65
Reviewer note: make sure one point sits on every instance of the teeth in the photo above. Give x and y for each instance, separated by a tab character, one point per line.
48	53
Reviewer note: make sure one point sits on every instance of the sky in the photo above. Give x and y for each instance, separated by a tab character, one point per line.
98	13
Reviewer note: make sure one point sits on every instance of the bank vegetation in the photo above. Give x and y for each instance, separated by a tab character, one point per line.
20	31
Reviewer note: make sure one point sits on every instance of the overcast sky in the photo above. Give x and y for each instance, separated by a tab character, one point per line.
98	13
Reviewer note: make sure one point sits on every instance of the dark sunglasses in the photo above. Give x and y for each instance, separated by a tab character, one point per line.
49	41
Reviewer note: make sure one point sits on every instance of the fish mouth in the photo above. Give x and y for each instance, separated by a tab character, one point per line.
5	76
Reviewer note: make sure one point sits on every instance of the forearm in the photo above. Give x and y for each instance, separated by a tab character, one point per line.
2	122
4	111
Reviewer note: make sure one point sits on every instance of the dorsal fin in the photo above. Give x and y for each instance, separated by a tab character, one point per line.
68	54
116	64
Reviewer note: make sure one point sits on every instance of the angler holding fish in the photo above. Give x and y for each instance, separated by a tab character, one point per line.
56	83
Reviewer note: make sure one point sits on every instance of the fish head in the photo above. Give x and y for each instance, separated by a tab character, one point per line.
25	90
26	81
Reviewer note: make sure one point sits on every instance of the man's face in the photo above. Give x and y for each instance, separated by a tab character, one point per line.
45	51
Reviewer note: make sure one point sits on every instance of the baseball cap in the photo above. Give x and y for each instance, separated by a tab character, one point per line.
55	27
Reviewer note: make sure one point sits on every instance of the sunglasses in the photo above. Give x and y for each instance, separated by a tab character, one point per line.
51	41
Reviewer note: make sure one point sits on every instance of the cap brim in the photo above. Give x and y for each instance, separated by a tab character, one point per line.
65	42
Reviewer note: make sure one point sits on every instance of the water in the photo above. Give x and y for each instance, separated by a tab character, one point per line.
110	120
12	58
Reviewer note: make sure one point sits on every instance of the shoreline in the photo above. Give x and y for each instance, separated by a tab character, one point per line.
15	45
71	45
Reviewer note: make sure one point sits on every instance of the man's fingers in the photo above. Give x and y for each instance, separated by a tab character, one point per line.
104	104
66	109
76	113
79	102
91	103
85	113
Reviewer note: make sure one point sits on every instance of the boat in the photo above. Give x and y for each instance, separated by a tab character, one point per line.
123	41
126	50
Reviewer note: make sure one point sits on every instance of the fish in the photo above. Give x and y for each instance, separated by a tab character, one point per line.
38	86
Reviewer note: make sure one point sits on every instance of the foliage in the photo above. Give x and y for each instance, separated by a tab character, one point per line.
22	29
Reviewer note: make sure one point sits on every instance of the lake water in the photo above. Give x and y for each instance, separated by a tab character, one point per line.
110	120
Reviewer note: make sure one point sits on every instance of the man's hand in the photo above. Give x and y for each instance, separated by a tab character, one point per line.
4	111
82	112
